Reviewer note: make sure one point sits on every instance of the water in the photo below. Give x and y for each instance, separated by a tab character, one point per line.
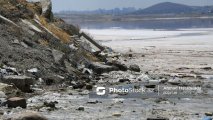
147	24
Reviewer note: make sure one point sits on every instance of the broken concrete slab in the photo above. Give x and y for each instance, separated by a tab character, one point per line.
21	82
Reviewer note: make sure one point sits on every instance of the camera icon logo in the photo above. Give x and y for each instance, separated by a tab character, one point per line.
100	90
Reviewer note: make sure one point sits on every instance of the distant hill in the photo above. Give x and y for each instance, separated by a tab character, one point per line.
166	8
161	8
174	8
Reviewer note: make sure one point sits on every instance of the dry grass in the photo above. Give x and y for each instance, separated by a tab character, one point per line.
43	42
62	35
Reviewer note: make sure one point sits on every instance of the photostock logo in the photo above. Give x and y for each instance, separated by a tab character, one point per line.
100	90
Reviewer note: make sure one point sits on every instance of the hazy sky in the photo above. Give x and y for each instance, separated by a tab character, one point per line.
59	5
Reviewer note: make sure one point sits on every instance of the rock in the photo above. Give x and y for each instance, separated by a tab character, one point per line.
207	68
130	55
209	114
8	71
47	9
157	118
134	68
80	108
52	79
143	78
28	115
174	82
2	95
116	114
16	102
121	66
101	68
8	90
50	104
33	70
124	80
79	85
150	86
58	55
93	102
87	71
21	82
89	87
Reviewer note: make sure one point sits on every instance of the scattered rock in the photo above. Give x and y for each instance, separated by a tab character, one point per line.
80	108
157	118
93	102
89	87
150	86
87	71
50	104
21	82
209	114
101	68
124	80
134	68
207	68
8	89
130	55
16	102
116	114
121	66
28	115
78	85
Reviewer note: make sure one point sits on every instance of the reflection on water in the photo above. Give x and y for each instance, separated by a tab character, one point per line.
147	24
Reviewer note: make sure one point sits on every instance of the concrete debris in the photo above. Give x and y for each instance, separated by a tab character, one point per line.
21	82
16	102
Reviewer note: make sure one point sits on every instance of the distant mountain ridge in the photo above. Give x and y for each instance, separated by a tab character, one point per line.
160	8
174	8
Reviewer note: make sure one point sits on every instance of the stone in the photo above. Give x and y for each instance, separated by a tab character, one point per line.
209	114
116	114
89	87
121	66
124	80
207	68
157	119
50	104
47	9
150	86
174	82
87	71
101	68
16	102
134	68
21	82
80	108
8	90
57	55
28	115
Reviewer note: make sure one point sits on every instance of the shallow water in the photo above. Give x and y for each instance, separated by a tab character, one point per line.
170	24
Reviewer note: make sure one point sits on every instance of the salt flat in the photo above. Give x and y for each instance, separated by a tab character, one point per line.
122	39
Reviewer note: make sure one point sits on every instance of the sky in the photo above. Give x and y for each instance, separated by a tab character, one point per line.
79	5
